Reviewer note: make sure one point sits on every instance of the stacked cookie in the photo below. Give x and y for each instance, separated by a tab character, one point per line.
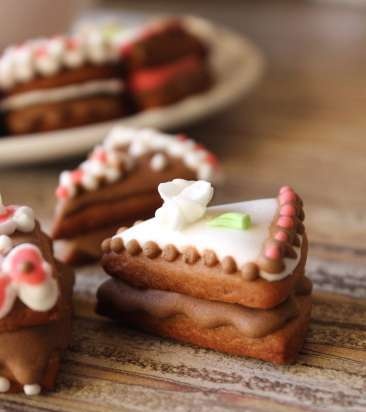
61	82
165	62
117	184
94	76
228	277
35	304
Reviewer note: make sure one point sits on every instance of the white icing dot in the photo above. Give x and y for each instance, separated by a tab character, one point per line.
158	162
24	218
47	65
90	181
205	172
4	384
138	148
112	174
33	389
23	68
5	244
73	58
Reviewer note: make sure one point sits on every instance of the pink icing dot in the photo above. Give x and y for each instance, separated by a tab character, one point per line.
273	252
8	213
288	210
41	52
212	159
285	222
77	175
62	192
287	197
182	137
71	43
100	155
281	236
29	255
286	188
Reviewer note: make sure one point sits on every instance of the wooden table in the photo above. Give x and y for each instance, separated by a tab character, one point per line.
304	125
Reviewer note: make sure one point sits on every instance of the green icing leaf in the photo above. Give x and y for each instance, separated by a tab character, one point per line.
232	221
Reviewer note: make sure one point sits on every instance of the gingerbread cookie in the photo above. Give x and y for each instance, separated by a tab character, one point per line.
228	277
61	82
117	184
166	62
35	304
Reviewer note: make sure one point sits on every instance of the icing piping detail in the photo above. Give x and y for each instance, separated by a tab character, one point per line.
184	202
26	275
120	152
231	221
46	57
13	218
31	390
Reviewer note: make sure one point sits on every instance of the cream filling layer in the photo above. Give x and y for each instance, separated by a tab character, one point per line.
22	100
253	323
243	245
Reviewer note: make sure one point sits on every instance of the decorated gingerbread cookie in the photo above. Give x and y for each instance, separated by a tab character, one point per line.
228	277
116	186
61	82
67	81
35	304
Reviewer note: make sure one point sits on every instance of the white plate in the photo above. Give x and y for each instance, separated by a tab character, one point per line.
237	64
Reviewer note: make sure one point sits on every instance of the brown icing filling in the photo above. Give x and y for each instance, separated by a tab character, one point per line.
25	353
254	323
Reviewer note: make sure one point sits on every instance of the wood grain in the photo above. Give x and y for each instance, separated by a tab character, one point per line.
304	125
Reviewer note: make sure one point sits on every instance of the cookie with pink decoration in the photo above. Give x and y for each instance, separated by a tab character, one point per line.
228	277
35	304
61	82
116	186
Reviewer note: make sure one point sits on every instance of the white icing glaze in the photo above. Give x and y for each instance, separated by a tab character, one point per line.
37	289
136	143
243	245
21	100
14	218
47	57
4	384
184	202
158	162
32	389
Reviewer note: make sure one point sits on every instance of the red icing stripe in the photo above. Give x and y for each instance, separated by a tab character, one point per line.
149	79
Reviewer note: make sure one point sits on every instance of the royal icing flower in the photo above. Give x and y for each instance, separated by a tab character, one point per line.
14	218
26	275
185	202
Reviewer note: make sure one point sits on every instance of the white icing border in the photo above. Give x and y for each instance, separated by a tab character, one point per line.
57	94
46	57
138	142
